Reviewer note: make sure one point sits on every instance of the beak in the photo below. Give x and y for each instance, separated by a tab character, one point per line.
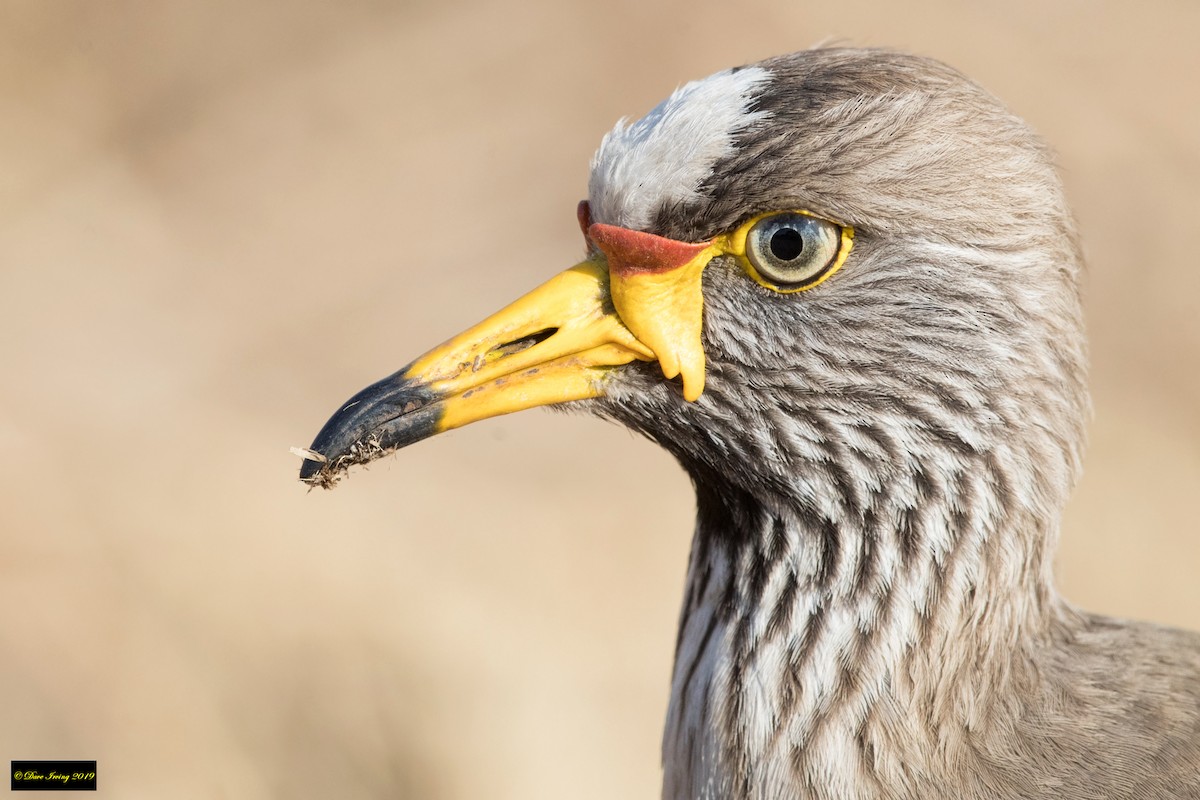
558	343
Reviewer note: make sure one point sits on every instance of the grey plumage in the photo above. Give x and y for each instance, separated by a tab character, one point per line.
881	464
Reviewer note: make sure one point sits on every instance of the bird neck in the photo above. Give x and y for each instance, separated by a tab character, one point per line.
812	651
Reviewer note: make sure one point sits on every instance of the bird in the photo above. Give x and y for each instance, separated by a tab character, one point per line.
842	288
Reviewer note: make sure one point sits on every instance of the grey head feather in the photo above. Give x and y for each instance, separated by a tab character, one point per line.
881	463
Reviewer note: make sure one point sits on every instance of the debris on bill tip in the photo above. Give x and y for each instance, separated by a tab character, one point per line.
333	470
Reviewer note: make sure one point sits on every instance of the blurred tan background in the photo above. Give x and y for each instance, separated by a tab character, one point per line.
219	220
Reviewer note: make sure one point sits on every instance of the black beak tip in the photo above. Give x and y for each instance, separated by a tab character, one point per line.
310	469
383	417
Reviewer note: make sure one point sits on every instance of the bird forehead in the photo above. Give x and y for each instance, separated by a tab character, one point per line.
666	156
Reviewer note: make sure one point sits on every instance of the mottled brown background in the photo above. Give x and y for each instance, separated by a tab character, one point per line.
218	220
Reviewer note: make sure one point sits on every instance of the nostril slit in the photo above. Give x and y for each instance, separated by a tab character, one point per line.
524	343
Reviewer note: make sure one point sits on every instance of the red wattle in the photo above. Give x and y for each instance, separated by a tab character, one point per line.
637	252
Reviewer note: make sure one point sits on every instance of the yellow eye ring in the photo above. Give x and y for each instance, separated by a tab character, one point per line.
788	251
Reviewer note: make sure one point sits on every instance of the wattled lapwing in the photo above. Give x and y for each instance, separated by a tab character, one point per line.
841	287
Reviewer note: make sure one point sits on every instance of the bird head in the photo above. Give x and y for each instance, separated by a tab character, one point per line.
802	277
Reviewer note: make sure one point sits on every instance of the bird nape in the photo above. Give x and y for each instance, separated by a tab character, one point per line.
842	288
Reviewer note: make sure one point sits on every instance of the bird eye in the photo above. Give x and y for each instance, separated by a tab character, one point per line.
793	251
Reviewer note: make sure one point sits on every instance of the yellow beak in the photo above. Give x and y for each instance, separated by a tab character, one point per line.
553	345
558	343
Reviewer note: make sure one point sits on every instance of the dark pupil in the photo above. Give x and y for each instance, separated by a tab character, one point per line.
786	244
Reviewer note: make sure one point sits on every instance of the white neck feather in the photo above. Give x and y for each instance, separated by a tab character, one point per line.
801	668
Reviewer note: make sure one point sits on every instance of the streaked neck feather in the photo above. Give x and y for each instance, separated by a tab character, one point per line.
830	661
